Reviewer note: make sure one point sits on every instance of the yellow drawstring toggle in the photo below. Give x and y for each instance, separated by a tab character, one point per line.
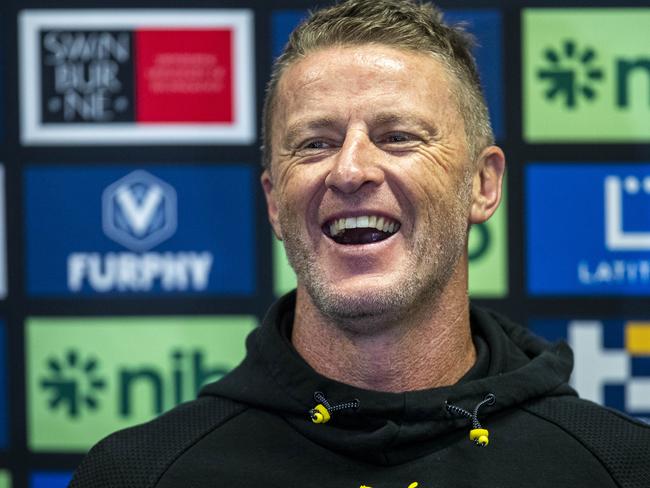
480	436
319	414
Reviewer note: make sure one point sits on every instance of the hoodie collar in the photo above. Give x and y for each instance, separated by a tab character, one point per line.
511	363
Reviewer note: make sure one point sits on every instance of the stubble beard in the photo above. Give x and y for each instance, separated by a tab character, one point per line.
433	261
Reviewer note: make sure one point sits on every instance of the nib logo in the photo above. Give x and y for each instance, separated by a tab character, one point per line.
570	72
73	383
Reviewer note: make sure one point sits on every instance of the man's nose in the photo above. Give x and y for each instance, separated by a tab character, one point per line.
356	164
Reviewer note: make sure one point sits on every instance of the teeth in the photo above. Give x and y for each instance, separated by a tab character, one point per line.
365	221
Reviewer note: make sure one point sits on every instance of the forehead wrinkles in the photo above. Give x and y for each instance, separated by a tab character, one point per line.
310	75
364	73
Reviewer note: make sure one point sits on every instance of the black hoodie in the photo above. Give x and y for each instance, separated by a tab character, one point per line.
253	427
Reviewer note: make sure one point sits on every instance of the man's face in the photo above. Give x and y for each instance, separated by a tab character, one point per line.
369	137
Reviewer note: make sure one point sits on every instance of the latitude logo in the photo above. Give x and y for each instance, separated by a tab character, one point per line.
139	211
570	72
74	383
617	238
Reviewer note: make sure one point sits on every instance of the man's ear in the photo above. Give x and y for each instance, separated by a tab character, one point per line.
271	204
486	187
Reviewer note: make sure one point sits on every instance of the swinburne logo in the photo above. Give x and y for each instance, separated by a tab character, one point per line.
136	76
139	212
586	74
611	360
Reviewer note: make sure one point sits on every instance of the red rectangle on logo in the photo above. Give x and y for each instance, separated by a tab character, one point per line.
184	75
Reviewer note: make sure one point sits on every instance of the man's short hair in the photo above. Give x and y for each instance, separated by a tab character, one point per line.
402	24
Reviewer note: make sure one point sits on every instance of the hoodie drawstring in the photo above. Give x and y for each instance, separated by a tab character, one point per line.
322	412
478	434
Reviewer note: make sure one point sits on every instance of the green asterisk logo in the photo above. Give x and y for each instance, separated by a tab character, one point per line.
570	72
73	383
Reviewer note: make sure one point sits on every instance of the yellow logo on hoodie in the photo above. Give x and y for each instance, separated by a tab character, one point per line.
412	485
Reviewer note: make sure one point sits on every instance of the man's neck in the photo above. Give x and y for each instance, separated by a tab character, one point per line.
431	348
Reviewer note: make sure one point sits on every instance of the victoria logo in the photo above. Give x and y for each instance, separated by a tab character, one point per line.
571	73
139	211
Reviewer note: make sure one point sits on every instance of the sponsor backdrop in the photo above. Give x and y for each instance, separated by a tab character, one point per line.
134	251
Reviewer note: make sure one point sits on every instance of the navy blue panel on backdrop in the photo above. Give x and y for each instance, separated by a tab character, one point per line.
121	230
588	229
610	367
484	24
49	480
4	407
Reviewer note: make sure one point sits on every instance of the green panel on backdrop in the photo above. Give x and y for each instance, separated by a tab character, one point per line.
488	255
5	479
488	250
87	377
586	75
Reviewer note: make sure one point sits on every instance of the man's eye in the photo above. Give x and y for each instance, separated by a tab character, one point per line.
398	137
314	144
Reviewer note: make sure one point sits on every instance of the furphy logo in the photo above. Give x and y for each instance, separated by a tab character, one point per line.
600	244
136	76
485	24
85	380
488	259
586	75
157	231
611	360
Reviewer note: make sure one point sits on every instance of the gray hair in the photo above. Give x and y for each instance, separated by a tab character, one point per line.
403	24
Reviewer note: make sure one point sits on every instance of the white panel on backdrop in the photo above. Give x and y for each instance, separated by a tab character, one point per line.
137	77
3	237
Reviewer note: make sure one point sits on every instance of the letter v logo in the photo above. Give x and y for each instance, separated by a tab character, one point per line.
139	215
139	211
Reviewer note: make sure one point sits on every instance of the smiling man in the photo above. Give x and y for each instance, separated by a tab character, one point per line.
376	371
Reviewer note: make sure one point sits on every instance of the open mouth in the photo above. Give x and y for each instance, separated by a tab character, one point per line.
364	229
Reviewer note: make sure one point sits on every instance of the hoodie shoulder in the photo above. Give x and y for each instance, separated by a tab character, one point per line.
140	455
619	442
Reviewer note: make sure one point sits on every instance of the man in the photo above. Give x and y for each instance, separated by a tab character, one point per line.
376	372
